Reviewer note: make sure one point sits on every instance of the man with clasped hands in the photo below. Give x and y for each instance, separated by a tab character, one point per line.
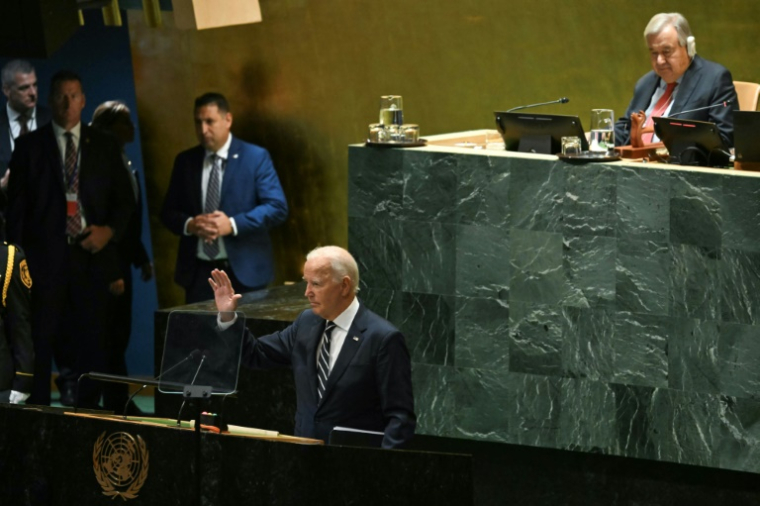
360	379
680	80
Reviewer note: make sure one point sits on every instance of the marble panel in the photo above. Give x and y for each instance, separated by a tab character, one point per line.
435	389
376	247
589	346
738	446
536	338
386	303
741	214
590	200
376	185
428	325
739	360
643	277
430	186
537	268
589	264
739	277
482	261
640	347
693	362
587	416
482	333
482	190
523	408
428	257
695	209
694	282
643	204
536	195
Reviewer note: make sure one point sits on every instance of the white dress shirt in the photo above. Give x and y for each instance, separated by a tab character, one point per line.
338	336
15	129
205	176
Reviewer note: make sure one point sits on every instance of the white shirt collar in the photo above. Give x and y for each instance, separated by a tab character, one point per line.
346	318
13	114
223	151
59	131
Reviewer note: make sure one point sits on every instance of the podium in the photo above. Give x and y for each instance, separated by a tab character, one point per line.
53	456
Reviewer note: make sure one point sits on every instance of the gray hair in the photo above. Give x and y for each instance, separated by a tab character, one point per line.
13	67
664	19
341	261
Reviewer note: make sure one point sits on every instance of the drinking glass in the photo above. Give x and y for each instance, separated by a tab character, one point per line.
602	137
571	145
377	133
391	110
410	132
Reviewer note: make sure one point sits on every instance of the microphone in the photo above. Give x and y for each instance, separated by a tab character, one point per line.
192	356
720	104
203	359
562	100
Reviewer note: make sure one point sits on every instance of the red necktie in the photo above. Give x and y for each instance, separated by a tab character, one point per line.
659	109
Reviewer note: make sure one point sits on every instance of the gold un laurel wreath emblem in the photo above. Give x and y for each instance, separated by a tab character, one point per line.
120	463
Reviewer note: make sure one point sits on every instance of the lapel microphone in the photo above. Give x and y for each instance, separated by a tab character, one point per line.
720	104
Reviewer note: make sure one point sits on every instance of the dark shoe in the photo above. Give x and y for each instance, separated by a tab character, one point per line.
68	396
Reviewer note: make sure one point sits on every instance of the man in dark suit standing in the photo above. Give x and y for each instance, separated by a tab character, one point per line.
69	201
20	115
351	367
679	81
223	198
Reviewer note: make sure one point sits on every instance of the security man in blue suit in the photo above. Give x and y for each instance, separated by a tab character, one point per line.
223	198
351	367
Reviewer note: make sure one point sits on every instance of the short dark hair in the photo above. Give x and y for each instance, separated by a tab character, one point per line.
216	99
108	113
63	76
14	67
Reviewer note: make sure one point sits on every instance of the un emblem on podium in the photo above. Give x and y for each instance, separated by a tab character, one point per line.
120	463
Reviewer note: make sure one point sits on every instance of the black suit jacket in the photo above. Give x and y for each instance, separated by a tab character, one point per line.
704	83
369	387
37	201
43	116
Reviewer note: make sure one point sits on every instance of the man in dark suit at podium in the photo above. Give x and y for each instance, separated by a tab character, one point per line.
680	80
351	367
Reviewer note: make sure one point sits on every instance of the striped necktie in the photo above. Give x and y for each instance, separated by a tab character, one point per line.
73	220
323	362
212	202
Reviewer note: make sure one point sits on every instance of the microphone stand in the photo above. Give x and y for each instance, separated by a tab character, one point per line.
562	100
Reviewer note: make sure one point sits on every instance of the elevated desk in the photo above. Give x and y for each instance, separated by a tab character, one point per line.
48	457
610	308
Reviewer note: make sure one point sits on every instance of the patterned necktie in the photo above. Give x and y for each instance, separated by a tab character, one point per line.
323	363
23	120
73	221
212	202
659	109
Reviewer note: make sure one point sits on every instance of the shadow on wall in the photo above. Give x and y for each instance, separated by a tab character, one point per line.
263	115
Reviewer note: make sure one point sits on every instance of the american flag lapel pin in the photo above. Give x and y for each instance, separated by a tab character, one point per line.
356	338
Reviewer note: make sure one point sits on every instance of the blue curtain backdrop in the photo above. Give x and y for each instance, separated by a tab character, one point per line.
101	56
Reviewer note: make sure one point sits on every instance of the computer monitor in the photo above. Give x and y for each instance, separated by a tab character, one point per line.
746	136
691	142
538	133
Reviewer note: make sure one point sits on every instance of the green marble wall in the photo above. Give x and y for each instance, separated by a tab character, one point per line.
596	308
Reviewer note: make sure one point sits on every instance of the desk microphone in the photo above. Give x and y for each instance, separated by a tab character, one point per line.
204	355
562	100
720	104
192	356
